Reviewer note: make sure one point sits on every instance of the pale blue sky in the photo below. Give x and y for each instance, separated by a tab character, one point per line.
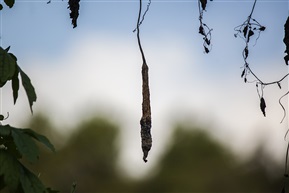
98	65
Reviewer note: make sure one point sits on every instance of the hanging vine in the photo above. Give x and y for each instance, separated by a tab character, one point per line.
204	29
145	121
249	29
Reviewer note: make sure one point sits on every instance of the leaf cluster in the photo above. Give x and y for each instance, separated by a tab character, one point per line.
10	71
15	144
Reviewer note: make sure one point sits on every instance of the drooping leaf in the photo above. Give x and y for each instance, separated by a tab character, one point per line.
1	6
15	85
10	170
41	138
30	183
7	66
201	30
204	4
25	145
263	106
9	3
73	5
29	89
208	42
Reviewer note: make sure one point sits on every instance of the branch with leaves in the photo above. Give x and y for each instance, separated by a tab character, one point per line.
249	29
204	29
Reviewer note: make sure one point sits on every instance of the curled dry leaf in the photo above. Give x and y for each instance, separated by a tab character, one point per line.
263	106
73	5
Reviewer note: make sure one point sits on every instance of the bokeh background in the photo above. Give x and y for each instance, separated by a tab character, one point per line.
209	134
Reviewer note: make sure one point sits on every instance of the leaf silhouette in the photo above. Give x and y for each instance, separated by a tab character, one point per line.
28	87
249	35
262	28
15	85
201	30
73	5
263	106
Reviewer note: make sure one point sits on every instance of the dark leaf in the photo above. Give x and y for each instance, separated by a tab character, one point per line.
1	6
28	87
245	79
245	31
41	138
15	85
25	145
207	41
73	5
30	183
1	117
204	4
201	30
243	73
9	3
7	66
262	28
263	106
10	169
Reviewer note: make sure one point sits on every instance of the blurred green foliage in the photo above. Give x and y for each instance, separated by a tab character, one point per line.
192	162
